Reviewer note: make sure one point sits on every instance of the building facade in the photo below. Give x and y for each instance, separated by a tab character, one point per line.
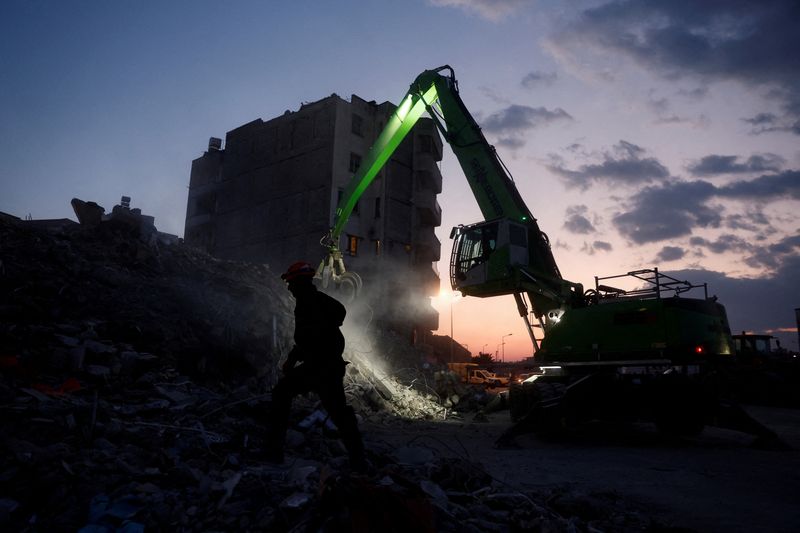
271	193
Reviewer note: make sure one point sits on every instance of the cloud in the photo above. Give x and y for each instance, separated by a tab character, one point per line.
774	256
768	122
670	253
712	165
662	108
767	187
518	118
724	243
753	221
674	208
492	94
512	143
591	249
668	211
762	120
753	43
537	78
697	94
493	10
576	221
625	166
701	121
510	123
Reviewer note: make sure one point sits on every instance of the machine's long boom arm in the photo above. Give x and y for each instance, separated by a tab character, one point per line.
400	123
495	192
533	271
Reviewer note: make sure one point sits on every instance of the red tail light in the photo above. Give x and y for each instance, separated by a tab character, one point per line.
699	350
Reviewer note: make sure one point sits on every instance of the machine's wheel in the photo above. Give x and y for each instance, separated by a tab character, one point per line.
523	397
518	400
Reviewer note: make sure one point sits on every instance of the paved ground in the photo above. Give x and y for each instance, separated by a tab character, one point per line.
714	482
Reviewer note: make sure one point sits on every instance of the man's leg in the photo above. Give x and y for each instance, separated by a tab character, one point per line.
333	399
290	385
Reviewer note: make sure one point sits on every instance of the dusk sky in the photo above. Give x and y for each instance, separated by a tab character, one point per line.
640	133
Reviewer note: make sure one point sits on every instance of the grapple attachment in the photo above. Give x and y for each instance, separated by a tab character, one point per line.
333	275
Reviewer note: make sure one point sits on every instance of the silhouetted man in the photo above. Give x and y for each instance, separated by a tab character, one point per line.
318	348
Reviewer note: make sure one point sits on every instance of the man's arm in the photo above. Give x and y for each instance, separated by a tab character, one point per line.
334	310
291	360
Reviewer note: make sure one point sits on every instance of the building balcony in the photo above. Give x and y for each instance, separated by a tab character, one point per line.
429	179
429	212
427	139
425	161
427	246
429	280
427	317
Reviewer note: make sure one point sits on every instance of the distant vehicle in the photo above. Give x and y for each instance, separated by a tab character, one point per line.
766	373
469	373
490	379
757	349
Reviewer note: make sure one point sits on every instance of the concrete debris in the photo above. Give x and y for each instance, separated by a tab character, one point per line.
91	215
413	455
134	379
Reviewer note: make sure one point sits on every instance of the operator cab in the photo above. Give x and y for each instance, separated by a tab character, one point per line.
483	253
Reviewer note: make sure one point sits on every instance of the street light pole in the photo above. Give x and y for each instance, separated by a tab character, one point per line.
503	342
452	340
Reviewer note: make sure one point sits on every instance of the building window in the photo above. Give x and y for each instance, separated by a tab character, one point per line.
352	245
357	125
355	162
377	207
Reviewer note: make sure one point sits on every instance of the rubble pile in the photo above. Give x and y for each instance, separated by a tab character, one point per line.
165	453
391	374
134	382
450	388
66	295
384	388
387	399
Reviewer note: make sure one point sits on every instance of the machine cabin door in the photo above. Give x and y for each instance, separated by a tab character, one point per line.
517	244
484	255
473	246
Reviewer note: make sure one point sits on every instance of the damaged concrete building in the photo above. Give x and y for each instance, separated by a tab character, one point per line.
270	195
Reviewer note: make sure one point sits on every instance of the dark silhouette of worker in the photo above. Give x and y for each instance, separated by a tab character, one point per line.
318	349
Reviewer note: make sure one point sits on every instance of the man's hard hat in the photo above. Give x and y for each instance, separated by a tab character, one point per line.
299	270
